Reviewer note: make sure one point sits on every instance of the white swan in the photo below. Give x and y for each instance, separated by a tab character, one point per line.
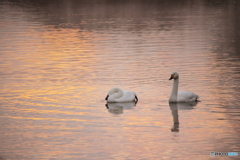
180	96
119	95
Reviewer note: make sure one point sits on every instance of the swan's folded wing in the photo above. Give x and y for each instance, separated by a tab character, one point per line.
187	96
128	96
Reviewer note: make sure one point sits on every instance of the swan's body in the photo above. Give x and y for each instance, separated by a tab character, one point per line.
119	95
180	96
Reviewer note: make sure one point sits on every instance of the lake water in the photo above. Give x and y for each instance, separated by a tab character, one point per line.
58	60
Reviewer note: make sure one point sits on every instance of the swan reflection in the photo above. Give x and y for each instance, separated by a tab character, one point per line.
117	108
186	105
174	109
179	106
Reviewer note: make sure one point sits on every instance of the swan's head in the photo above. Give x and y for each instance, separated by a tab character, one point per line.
174	75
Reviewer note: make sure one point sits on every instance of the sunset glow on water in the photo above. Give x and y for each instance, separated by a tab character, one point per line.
59	59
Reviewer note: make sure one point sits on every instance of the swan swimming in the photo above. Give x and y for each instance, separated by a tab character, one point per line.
119	95
180	96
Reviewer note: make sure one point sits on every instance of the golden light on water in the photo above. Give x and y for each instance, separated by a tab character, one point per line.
57	66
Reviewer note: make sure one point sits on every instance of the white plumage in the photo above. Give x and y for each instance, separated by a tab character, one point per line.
180	96
119	95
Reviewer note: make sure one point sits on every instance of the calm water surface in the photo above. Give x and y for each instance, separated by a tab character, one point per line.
58	59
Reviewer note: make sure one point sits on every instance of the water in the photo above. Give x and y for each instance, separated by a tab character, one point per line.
58	60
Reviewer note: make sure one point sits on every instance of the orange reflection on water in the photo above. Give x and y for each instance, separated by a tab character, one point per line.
47	119
55	79
64	57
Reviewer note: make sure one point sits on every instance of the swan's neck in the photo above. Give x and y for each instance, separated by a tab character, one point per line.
173	97
117	93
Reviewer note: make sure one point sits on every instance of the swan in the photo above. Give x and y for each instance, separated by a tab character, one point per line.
119	95
180	96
